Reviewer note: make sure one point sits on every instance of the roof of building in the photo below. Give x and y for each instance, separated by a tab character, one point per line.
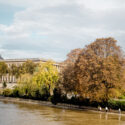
25	59
1	58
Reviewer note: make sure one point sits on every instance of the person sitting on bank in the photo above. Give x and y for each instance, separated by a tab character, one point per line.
119	110
106	109
99	108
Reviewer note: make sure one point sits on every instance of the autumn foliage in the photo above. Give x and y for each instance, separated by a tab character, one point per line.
96	71
68	72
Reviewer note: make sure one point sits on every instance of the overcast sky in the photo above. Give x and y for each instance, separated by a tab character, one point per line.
51	28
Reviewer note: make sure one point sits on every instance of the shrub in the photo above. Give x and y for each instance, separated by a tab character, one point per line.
64	99
32	92
122	97
15	92
4	84
44	93
21	92
56	97
1	91
116	104
7	92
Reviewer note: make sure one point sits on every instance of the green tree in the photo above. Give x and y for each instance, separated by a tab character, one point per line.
3	69
67	74
4	84
46	76
25	79
13	70
28	67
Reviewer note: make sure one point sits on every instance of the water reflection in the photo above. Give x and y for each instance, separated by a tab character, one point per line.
119	118
27	114
100	115
106	116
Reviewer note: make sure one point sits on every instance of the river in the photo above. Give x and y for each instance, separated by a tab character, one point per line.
28	114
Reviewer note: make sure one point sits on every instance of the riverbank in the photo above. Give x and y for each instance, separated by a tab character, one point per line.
59	105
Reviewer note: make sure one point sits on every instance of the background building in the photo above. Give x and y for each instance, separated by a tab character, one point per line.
11	79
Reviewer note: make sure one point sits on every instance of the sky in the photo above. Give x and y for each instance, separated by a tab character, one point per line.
50	29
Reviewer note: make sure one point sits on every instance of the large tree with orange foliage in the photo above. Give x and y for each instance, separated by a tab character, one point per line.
99	70
68	79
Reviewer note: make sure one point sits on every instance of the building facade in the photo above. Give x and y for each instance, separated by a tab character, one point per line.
9	79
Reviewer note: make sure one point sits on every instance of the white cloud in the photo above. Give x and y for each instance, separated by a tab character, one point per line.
52	28
34	3
102	5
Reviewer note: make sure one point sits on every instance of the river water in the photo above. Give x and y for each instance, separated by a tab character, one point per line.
27	114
